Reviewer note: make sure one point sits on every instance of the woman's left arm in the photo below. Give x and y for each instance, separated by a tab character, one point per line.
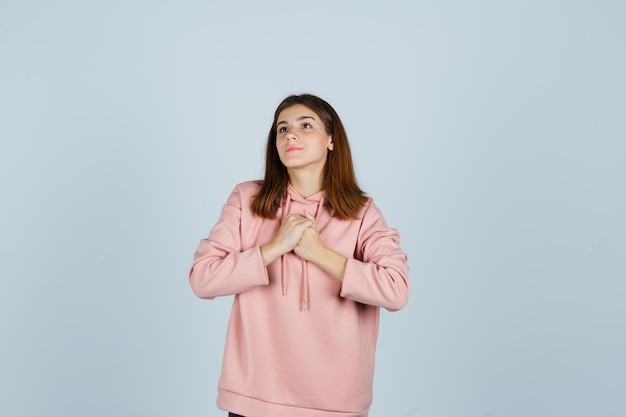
379	274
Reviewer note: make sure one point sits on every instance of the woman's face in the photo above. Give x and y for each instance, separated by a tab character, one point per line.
301	139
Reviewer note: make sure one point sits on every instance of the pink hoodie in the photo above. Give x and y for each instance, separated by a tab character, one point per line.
300	343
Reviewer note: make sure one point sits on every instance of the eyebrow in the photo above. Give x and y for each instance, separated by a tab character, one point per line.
297	120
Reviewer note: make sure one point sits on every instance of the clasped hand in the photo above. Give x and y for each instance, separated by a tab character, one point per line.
300	234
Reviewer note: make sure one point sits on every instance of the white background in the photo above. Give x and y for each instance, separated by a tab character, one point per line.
490	133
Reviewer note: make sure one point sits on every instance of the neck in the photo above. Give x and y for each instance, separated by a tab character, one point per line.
304	183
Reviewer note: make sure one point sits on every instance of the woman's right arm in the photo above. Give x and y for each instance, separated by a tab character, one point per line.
220	266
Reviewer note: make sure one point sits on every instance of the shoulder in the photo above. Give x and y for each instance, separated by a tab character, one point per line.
368	208
244	193
249	188
370	214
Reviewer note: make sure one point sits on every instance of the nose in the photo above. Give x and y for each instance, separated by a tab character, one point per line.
290	136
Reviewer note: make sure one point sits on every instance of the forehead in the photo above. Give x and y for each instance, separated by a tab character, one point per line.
294	112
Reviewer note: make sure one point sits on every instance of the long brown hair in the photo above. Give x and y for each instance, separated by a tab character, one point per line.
343	194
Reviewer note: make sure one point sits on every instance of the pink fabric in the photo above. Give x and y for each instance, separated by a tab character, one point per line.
310	351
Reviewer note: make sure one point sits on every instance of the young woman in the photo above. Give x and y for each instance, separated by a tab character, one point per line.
310	261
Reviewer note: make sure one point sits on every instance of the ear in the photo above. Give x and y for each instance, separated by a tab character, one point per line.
331	145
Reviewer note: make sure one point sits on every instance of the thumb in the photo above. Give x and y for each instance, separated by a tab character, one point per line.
308	215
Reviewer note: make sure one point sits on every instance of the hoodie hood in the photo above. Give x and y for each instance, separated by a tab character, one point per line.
296	204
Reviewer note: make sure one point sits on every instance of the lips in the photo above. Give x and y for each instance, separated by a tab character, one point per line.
293	148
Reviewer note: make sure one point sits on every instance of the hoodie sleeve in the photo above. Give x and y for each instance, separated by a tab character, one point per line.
378	275
220	266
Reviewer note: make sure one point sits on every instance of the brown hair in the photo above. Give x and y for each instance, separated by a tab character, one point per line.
343	194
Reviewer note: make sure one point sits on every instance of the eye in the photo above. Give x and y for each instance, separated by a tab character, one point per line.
306	126
282	129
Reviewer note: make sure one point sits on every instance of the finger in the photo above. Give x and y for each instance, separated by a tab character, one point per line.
311	218
293	216
293	221
298	224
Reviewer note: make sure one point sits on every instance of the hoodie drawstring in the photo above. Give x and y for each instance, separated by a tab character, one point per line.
305	286
305	267
283	272
305	294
